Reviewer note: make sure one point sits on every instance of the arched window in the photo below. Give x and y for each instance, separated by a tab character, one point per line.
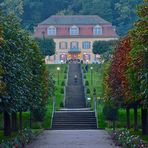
51	30
97	30
74	30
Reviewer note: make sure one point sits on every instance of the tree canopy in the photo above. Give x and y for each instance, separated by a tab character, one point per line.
24	79
99	47
47	46
126	79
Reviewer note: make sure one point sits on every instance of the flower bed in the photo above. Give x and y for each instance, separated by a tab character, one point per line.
122	137
23	138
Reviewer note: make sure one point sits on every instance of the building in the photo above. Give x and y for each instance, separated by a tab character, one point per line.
74	36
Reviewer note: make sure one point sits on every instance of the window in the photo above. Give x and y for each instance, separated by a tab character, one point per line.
51	30
74	45
86	45
63	45
74	30
97	30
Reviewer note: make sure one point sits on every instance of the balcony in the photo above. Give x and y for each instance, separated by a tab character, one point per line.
74	50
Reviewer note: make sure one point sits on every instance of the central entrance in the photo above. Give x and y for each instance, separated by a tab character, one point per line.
74	56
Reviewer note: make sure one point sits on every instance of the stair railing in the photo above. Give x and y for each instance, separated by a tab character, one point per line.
53	110
83	84
95	106
66	83
67	76
82	75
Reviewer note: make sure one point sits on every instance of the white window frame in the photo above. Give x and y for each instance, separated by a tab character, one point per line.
74	30
51	30
97	30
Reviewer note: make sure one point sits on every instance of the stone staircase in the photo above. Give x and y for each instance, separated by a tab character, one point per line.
75	115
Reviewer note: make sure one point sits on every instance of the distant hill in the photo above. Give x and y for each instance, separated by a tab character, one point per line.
121	13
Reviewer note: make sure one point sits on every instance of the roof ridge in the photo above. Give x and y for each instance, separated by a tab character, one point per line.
74	19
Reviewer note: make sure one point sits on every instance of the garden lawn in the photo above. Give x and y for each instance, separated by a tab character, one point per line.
95	80
59	92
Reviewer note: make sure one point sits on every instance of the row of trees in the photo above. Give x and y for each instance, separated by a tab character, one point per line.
126	82
120	12
24	79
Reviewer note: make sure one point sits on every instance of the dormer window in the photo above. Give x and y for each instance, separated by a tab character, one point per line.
97	30
74	30
51	30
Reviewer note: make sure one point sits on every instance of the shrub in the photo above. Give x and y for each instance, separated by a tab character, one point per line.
125	139
86	83
65	77
110	112
84	76
88	91
63	83
23	138
61	104
62	90
65	71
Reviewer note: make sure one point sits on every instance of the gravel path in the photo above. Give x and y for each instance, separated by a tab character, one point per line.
72	139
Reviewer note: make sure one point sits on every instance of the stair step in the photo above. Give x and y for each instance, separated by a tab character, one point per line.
71	127
75	109
74	115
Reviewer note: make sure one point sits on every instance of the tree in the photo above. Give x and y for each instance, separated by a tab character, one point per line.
124	15
138	66
25	75
100	47
12	7
47	46
117	77
32	16
117	82
2	84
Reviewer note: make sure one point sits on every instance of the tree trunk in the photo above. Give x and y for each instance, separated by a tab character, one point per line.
128	117
14	122
144	117
135	118
114	125
7	124
20	118
30	119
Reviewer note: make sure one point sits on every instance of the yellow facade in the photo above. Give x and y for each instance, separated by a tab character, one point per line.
80	55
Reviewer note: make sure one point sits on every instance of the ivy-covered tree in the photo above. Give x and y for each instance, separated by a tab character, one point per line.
47	46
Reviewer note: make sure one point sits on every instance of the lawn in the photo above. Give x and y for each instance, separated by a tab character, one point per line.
59	95
95	79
